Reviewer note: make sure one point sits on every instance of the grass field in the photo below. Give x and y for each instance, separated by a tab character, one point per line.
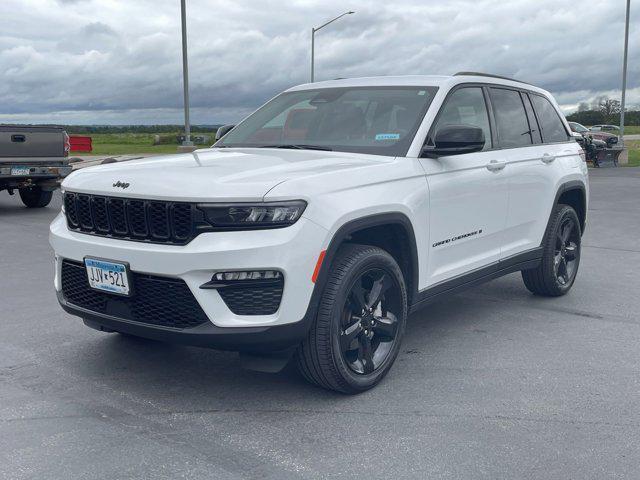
634	153
131	143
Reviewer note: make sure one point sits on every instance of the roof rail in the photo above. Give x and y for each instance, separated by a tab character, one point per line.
491	75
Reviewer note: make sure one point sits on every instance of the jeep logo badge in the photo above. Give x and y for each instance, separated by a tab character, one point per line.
120	184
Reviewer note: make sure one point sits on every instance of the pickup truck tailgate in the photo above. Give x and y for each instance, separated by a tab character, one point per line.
25	144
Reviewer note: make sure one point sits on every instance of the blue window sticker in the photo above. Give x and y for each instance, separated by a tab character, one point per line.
388	136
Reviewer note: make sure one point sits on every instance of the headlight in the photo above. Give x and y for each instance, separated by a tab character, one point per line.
247	216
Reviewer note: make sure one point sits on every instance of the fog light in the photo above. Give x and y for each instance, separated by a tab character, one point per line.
255	275
243	278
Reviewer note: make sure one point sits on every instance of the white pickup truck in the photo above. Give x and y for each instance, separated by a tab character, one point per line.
33	160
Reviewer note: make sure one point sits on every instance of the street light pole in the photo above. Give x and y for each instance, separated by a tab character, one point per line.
624	71
185	75
313	48
313	34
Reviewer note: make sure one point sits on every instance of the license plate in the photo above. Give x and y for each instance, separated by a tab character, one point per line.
20	171
107	276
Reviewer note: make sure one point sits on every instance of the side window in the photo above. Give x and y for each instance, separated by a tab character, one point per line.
465	106
511	118
552	127
533	123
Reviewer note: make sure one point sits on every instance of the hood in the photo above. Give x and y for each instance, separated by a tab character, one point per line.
602	135
239	174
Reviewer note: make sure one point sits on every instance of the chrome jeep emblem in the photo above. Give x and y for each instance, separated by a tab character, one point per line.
120	184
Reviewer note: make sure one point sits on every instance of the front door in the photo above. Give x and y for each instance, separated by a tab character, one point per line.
468	195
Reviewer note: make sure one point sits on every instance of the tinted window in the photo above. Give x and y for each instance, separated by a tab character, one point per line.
511	118
552	127
533	123
377	120
465	106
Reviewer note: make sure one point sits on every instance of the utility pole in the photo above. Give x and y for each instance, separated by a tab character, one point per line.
313	51
185	75
313	36
624	71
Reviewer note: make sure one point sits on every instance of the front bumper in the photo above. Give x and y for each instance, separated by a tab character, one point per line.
243	339
293	251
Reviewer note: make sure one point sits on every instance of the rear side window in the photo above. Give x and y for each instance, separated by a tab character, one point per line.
465	106
552	127
511	118
533	124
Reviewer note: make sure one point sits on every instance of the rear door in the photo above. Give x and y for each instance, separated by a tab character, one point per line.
467	193
533	165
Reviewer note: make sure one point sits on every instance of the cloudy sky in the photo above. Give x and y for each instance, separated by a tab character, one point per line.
119	61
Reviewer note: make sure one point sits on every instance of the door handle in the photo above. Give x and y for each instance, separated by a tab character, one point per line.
495	165
546	158
18	138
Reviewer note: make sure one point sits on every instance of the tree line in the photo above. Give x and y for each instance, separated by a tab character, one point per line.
604	110
89	129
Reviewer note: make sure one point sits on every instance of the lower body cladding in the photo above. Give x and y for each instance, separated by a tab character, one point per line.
176	295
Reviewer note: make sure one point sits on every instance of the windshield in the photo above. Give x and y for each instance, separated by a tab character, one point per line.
376	120
576	127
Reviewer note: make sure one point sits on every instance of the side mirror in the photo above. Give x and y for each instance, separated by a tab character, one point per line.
222	131
456	140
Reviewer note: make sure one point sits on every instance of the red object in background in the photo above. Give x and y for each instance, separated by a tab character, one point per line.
80	143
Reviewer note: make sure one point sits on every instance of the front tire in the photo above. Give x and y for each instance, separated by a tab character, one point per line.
35	197
560	257
360	322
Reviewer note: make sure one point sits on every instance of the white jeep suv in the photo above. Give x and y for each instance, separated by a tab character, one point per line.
315	226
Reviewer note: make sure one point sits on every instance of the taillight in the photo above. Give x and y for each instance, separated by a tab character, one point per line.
67	144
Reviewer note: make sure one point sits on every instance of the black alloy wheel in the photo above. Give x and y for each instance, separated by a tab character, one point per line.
557	271
360	322
567	253
369	321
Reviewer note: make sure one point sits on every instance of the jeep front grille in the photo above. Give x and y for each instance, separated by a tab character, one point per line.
130	219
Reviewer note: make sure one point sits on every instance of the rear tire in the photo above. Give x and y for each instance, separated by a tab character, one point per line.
356	335
560	256
35	197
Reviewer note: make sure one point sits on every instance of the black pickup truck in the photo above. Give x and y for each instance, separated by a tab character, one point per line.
33	160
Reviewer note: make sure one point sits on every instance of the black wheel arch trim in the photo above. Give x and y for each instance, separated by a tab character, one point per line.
566	187
353	226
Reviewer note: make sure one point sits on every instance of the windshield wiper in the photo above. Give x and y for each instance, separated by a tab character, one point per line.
299	146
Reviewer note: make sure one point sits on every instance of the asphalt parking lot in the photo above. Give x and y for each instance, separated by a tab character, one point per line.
493	383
